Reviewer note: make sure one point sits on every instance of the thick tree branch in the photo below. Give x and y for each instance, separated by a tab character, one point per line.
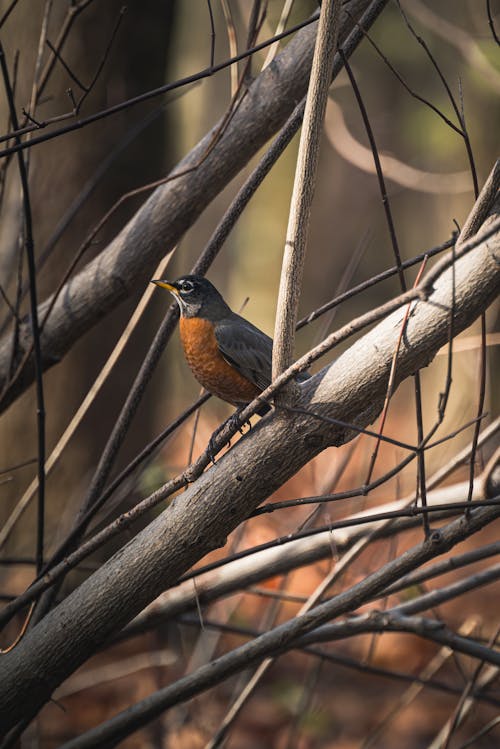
295	632
130	258
241	573
351	389
194	471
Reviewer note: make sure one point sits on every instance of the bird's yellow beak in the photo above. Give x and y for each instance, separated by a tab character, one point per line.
165	285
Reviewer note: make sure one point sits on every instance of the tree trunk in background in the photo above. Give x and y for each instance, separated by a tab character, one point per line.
59	171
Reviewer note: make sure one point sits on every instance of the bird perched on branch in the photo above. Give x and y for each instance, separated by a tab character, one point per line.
228	355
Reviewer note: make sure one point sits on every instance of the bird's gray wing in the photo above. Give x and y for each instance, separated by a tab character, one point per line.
246	348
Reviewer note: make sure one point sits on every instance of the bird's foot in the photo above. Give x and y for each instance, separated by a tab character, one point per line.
230	423
212	447
212	452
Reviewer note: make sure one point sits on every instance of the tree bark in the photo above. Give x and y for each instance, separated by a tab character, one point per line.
351	389
127	262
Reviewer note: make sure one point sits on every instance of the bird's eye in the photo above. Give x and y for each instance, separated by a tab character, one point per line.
187	286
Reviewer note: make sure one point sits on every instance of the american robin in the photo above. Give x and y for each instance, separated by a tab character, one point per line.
228	355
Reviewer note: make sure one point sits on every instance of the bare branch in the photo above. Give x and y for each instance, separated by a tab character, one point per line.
131	257
364	373
353	387
459	38
23	503
303	188
295	632
34	327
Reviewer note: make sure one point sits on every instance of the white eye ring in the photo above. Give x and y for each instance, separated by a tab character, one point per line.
186	287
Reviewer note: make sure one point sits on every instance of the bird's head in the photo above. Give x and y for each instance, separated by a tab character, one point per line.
196	297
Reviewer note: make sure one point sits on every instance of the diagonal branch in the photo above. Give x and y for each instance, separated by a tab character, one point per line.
128	261
319	420
287	635
351	389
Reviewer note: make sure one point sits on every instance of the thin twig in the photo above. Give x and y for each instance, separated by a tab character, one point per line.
400	78
29	246
72	13
283	637
83	122
101	223
458	111
233	44
380	176
372	281
416	687
395	247
458	37
80	413
28	462
7	12
444	566
225	434
212	34
38	63
390	385
236	573
103	59
491	22
22	631
481	208
460	708
493	723
66	67
222	231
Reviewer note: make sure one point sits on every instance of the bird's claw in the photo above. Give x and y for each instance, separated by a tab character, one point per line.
211	450
229	423
212	447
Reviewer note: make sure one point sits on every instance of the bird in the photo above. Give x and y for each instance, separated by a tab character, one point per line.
228	355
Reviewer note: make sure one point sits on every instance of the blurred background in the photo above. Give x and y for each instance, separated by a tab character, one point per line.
76	178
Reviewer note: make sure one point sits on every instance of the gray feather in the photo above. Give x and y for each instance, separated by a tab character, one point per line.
246	348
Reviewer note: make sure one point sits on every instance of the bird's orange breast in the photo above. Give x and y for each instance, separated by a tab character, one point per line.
209	366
